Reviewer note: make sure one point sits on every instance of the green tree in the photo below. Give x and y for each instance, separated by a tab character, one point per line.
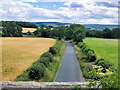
4	32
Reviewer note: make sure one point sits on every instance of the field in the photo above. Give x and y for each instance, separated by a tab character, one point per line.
25	30
104	48
19	53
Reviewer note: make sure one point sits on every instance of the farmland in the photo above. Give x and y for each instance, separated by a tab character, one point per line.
104	48
25	30
19	53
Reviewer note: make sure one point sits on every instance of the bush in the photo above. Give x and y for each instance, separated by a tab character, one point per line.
44	60
104	64
96	63
81	44
110	82
89	50
36	71
89	53
86	50
53	50
83	58
91	57
85	69
49	55
84	47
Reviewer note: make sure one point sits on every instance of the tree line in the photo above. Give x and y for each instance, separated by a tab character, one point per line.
76	32
14	28
106	33
20	23
10	29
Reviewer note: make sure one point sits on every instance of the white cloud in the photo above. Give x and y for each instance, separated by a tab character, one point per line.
89	13
28	0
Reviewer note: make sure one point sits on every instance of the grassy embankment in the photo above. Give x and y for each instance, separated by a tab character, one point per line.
103	71
104	48
19	53
50	70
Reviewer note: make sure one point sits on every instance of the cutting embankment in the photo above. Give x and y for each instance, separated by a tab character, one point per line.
19	53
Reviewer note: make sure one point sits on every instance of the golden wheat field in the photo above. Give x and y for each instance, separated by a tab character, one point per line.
19	53
25	30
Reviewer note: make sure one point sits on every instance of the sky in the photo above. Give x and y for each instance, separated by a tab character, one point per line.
66	11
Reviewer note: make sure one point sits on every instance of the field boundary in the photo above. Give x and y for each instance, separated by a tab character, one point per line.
50	67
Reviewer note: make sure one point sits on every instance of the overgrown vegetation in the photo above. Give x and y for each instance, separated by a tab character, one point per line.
96	70
45	68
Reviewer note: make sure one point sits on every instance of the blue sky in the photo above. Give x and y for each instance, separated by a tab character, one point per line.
69	11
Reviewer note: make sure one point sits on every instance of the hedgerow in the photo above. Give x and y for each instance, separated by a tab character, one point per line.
49	55
36	71
95	69
44	60
56	48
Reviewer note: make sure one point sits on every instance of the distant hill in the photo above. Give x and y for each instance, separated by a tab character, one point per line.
88	26
99	26
55	24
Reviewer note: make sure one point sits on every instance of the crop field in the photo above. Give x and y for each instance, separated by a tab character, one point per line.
104	48
25	30
19	53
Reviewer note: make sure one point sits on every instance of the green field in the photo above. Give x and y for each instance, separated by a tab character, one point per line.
104	48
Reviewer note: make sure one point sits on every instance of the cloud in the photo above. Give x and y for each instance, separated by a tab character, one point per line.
27	0
76	11
106	4
53	0
76	5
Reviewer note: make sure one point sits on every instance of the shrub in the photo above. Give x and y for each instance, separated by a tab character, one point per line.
49	55
86	50
84	47
90	50
91	57
83	58
104	64
85	69
44	60
110	82
89	53
36	71
81	44
96	63
53	50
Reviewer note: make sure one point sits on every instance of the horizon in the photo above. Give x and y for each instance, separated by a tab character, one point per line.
83	12
66	22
